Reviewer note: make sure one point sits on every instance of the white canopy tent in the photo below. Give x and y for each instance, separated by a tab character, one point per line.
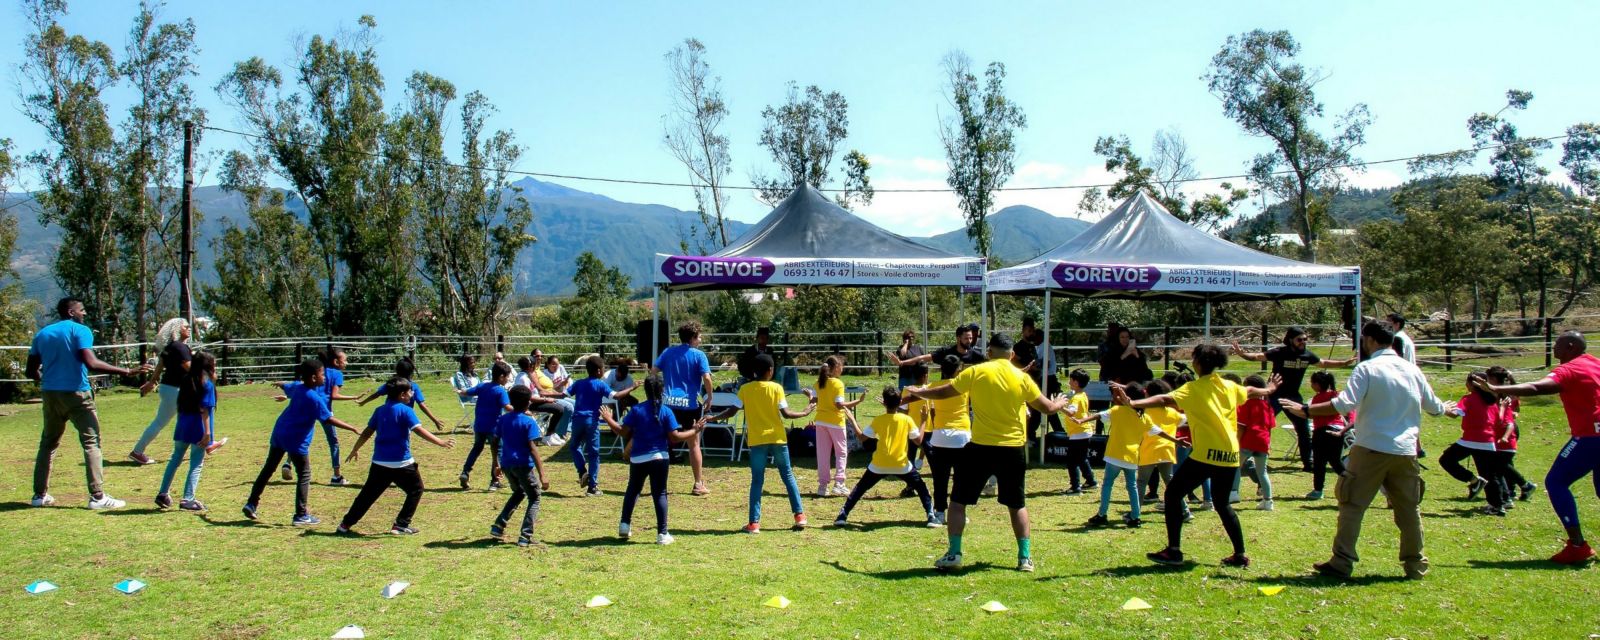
1141	252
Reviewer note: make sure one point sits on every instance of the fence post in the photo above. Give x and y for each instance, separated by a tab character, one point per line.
500	343
787	361
299	353
878	370
222	368
411	349
1549	326
602	346
1166	348
1448	351
1263	346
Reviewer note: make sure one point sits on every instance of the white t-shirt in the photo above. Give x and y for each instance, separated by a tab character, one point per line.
616	384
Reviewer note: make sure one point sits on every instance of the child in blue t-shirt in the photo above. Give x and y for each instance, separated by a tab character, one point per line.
587	396
291	437
392	463
405	368
651	429
333	362
492	399
197	399
519	437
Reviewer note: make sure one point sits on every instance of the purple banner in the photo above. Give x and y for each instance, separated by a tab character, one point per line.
1105	276
718	270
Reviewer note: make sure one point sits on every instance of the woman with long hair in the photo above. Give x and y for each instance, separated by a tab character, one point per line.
171	369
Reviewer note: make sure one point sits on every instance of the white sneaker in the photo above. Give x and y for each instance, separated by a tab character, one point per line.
938	516
1266	505
1233	498
624	530
948	562
663	539
992	488
554	440
44	500
106	502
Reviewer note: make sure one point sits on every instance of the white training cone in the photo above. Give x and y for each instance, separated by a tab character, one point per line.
598	601
1135	604
993	606
130	586
394	588
349	631
777	602
42	586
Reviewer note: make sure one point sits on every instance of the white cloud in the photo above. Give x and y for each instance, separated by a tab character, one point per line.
1371	178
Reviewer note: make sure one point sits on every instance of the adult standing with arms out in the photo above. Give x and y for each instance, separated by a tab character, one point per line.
1389	395
686	372
60	359
171	369
906	358
963	348
1290	362
1577	381
999	393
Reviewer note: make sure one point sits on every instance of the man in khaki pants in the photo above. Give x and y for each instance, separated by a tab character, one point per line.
60	359
1389	394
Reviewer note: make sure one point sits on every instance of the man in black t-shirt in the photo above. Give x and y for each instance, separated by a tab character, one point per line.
1290	361
761	347
962	349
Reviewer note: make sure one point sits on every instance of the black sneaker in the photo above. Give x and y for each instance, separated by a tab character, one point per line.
1074	491
1527	490
1327	570
593	492
1132	522
1491	510
249	511
1167	557
1474	487
1237	560
337	481
1097	520
164	501
402	531
907	492
1090	485
464	481
306	520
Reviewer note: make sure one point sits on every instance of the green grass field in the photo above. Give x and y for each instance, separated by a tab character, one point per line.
217	575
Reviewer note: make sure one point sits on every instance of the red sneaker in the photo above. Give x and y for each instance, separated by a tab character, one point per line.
754	527
1574	554
800	521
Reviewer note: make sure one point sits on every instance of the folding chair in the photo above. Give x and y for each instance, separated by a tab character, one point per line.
468	411
719	401
1294	441
615	446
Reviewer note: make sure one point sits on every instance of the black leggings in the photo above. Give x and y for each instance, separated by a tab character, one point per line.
478	441
656	471
1190	475
871	478
379	477
1326	449
302	472
1078	462
1508	471
1487	462
941	460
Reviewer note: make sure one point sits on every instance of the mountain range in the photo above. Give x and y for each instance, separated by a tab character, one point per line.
566	221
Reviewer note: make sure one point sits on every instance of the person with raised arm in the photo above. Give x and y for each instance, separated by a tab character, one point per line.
1290	361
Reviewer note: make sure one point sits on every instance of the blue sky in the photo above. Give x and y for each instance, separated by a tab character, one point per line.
584	85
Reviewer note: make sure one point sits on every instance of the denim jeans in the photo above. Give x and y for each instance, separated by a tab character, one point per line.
1130	477
478	442
165	412
197	457
585	445
777	455
524	483
1258	462
1205	487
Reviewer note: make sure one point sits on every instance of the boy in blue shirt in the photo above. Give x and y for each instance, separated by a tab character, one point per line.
519	457
588	394
391	458
492	399
291	436
686	372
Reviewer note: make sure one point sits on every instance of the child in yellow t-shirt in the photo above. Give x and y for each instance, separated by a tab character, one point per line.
1126	430
948	430
1158	454
1080	428
764	410
896	433
833	416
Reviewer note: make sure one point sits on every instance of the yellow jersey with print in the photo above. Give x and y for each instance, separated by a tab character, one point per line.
952	413
1125	430
892	432
1156	449
999	393
762	417
828	397
1078	407
920	411
1210	404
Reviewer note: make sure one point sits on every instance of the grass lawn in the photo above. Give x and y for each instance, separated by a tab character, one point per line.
217	575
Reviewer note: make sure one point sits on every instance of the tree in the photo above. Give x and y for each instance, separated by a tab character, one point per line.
1092	203
1518	177
61	79
1444	245
979	141
1271	95
157	65
692	135
1163	179
600	305
16	312
1580	156
268	271
327	141
802	135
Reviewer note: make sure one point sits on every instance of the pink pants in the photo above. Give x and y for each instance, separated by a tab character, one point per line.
831	452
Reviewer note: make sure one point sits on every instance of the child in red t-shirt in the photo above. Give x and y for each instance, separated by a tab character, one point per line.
1327	435
1256	421
1506	448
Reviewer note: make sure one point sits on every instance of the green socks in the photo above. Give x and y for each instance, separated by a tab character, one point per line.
955	545
1023	548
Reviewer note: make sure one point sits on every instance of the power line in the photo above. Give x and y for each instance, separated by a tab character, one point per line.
660	183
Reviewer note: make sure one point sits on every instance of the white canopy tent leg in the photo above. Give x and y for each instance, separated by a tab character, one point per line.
1044	374
925	337
1356	321
655	326
1208	318
983	308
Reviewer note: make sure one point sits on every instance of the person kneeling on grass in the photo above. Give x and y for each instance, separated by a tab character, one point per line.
519	436
651	429
391	458
764	411
291	437
895	432
1209	404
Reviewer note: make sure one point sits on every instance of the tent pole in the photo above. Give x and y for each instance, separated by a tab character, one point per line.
655	324
925	337
1208	317
1044	374
961	304
1357	323
983	307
